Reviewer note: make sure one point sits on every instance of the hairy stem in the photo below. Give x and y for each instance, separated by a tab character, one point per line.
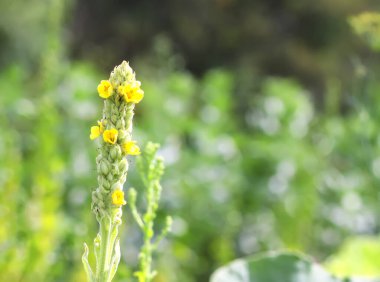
108	233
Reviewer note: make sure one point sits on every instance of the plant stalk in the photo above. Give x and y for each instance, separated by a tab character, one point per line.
108	233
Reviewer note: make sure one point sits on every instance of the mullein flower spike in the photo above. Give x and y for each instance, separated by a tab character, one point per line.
112	166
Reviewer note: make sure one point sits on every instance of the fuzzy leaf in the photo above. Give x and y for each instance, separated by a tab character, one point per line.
87	267
277	267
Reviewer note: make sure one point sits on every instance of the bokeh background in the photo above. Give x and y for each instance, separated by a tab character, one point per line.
267	112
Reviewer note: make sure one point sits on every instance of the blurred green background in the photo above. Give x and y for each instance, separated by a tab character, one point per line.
267	112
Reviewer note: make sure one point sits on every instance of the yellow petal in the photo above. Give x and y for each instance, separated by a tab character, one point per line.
137	96
95	132
130	148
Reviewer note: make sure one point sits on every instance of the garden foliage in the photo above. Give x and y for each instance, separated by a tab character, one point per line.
253	163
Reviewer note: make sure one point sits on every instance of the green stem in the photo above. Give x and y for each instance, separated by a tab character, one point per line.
147	262
108	233
148	234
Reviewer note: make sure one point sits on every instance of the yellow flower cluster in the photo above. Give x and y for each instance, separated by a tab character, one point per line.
132	93
110	137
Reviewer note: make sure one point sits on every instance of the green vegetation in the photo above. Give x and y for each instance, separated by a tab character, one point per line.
254	161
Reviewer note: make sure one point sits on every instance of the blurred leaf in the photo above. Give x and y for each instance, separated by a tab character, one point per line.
359	256
284	267
367	25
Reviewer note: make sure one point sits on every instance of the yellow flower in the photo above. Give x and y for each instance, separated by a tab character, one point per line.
118	198
110	136
130	148
105	89
132	93
96	130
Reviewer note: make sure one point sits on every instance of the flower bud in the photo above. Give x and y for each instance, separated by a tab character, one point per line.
114	153
114	118
98	159
116	186
104	167
106	184
122	134
123	165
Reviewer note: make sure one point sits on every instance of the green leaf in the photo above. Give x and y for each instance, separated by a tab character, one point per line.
277	267
87	267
